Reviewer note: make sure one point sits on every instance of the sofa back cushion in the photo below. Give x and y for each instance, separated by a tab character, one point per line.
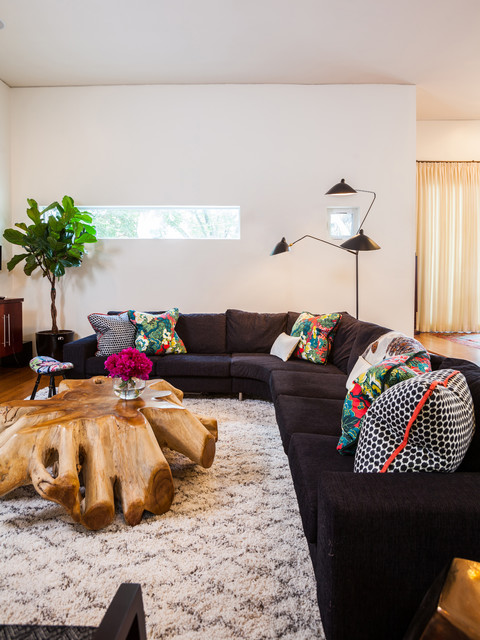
249	332
292	317
351	339
203	332
471	371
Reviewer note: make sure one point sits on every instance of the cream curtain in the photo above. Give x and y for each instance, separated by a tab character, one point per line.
448	243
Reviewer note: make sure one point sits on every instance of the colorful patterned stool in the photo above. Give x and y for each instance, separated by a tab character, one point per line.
46	366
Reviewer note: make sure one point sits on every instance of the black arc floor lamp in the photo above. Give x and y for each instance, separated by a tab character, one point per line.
355	244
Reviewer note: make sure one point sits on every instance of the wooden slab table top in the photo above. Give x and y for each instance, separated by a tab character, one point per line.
85	446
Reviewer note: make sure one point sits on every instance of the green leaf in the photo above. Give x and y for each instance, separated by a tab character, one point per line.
67	202
14	236
91	230
30	265
84	238
15	260
55	205
21	225
84	216
58	270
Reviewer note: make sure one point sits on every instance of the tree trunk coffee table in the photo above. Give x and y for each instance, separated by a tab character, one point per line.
84	447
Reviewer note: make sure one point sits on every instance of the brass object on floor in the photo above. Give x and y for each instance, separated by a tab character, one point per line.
451	608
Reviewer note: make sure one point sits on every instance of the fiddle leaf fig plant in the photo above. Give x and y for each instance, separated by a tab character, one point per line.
54	242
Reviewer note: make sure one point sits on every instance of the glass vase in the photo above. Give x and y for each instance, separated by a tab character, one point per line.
128	389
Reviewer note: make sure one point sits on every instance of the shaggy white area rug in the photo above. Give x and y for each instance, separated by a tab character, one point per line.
229	560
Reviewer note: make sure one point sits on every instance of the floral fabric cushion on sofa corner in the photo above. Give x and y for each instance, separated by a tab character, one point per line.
316	335
156	334
114	332
392	343
422	424
369	385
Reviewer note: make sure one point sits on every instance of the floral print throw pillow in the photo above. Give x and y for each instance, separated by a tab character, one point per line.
156	334
316	336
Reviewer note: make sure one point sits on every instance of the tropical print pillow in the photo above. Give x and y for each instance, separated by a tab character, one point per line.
316	336
392	343
156	334
369	385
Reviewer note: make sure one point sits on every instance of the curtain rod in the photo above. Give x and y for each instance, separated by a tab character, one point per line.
449	161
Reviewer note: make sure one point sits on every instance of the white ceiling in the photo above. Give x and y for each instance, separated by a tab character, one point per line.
434	44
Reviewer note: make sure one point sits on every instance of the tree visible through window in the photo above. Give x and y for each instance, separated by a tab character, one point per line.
219	223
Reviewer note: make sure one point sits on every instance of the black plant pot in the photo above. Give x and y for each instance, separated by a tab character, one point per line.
51	344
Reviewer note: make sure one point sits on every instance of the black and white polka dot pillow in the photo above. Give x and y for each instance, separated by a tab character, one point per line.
425	423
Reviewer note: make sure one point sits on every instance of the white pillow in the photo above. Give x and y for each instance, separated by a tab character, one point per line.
284	346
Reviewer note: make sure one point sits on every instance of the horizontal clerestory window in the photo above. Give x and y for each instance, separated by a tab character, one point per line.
168	223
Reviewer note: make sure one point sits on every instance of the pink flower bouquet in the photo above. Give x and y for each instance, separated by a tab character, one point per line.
127	364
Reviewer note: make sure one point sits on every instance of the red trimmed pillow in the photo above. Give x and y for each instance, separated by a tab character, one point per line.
425	423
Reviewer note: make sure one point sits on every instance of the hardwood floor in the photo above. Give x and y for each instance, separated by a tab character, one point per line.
16	383
444	347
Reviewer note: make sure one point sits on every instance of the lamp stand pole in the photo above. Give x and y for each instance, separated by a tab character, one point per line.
356	283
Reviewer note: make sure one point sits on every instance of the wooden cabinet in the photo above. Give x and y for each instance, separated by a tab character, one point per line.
11	330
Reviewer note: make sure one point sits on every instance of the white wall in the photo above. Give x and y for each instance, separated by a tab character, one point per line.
448	140
272	149
5	281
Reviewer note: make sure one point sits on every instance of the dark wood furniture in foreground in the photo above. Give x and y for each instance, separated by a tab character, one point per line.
123	620
11	331
86	436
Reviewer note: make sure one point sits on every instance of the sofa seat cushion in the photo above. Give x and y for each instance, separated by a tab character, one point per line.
260	365
319	416
308	455
176	365
327	382
253	332
188	364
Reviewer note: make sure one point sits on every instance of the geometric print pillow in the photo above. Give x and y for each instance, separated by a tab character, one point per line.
114	333
155	334
316	335
425	423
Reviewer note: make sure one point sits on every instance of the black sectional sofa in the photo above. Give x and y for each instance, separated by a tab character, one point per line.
377	541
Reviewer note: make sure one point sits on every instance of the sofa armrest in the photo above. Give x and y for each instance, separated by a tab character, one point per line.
77	353
382	540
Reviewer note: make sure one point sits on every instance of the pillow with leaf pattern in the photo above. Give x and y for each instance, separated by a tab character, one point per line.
156	334
316	335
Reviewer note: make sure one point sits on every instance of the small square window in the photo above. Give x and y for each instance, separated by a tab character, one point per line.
342	222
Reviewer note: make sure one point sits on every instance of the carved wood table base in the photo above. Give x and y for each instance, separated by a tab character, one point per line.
84	447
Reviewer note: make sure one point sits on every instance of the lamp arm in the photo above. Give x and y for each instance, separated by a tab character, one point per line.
324	241
371	205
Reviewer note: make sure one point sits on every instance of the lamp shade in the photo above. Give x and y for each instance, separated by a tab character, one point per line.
341	189
281	247
360	242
